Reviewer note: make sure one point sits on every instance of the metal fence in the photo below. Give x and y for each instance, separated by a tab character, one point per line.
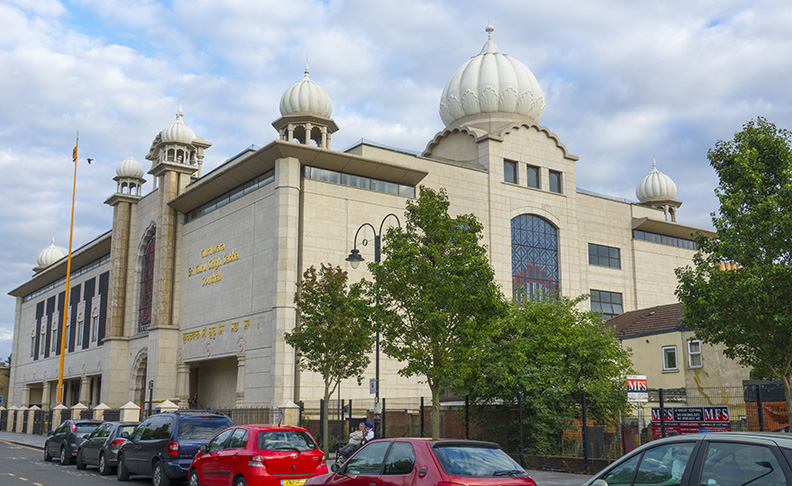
759	407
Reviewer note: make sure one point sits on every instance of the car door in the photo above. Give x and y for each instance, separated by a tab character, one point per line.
54	443
365	467
399	468
233	457
667	464
743	463
90	448
133	451
210	470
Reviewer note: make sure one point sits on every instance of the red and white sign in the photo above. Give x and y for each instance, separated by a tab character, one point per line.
637	390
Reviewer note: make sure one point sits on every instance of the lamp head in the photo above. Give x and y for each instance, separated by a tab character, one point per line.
354	258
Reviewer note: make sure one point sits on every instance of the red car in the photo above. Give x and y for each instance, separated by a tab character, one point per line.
431	462
258	455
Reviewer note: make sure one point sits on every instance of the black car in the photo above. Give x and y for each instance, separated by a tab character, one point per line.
163	445
717	459
101	446
64	441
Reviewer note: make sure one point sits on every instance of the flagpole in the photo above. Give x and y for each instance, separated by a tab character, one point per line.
68	276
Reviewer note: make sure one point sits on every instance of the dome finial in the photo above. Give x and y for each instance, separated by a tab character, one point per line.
180	113
490	29
306	65
654	163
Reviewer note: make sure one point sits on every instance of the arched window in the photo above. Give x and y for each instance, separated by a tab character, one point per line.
146	285
534	257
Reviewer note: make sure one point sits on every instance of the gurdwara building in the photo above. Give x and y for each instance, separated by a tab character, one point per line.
192	289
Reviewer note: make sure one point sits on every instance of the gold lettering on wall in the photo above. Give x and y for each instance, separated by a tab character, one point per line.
212	332
213	264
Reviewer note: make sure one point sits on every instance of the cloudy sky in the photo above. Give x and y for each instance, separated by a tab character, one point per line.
625	82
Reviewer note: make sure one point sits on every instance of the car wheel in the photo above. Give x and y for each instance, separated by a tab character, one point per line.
80	463
47	456
158	477
194	479
65	460
104	468
121	472
240	481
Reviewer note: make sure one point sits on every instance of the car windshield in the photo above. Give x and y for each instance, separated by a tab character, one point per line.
476	461
86	428
202	427
285	440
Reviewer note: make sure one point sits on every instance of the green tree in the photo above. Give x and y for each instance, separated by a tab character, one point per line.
747	306
548	350
435	293
332	336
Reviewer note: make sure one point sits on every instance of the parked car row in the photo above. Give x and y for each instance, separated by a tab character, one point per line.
209	450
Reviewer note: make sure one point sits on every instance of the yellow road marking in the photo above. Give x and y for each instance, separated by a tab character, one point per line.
17	445
24	479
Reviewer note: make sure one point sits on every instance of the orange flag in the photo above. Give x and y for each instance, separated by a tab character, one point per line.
74	152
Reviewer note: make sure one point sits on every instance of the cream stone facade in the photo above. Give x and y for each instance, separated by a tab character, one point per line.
192	290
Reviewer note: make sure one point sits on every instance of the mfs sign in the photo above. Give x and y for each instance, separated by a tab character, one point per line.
637	390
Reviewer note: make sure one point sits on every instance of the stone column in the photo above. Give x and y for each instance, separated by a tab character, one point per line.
85	390
77	410
57	415
130	412
26	395
240	384
97	390
290	412
99	410
119	244
182	384
20	419
9	425
45	395
31	413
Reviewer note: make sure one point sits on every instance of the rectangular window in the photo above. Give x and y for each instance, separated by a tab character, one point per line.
43	339
79	333
54	343
510	171
694	354
68	340
95	328
555	182
669	358
604	256
608	303
532	173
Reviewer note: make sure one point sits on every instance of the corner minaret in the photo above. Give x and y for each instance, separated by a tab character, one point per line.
306	108
657	190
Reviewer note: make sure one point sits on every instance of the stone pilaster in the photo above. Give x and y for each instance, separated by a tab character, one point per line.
240	384
46	391
85	389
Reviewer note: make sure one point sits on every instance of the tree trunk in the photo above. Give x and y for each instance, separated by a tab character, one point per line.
326	420
788	395
435	411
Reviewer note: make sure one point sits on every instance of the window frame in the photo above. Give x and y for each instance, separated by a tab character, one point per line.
673	348
609	259
537	171
514	172
610	302
692	354
559	182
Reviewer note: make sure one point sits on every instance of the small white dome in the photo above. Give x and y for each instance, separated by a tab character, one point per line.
50	255
305	96
130	167
656	186
178	131
491	82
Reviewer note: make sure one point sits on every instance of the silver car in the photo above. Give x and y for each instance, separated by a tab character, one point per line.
705	459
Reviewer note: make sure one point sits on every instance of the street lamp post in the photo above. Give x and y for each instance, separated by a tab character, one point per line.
355	258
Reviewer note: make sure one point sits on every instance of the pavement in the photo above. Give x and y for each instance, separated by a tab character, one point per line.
542	478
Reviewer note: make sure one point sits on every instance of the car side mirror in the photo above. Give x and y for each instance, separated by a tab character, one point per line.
335	467
599	482
202	448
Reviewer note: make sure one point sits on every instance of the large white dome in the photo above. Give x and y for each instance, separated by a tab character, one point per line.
306	96
130	167
491	82
177	131
656	186
50	255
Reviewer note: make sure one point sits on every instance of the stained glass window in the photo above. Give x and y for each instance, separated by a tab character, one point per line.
146	285
534	257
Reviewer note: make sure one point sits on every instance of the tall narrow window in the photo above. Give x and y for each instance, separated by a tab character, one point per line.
43	339
33	342
669	358
534	257
146	285
532	173
510	171
79	333
694	353
555	181
68	336
94	328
